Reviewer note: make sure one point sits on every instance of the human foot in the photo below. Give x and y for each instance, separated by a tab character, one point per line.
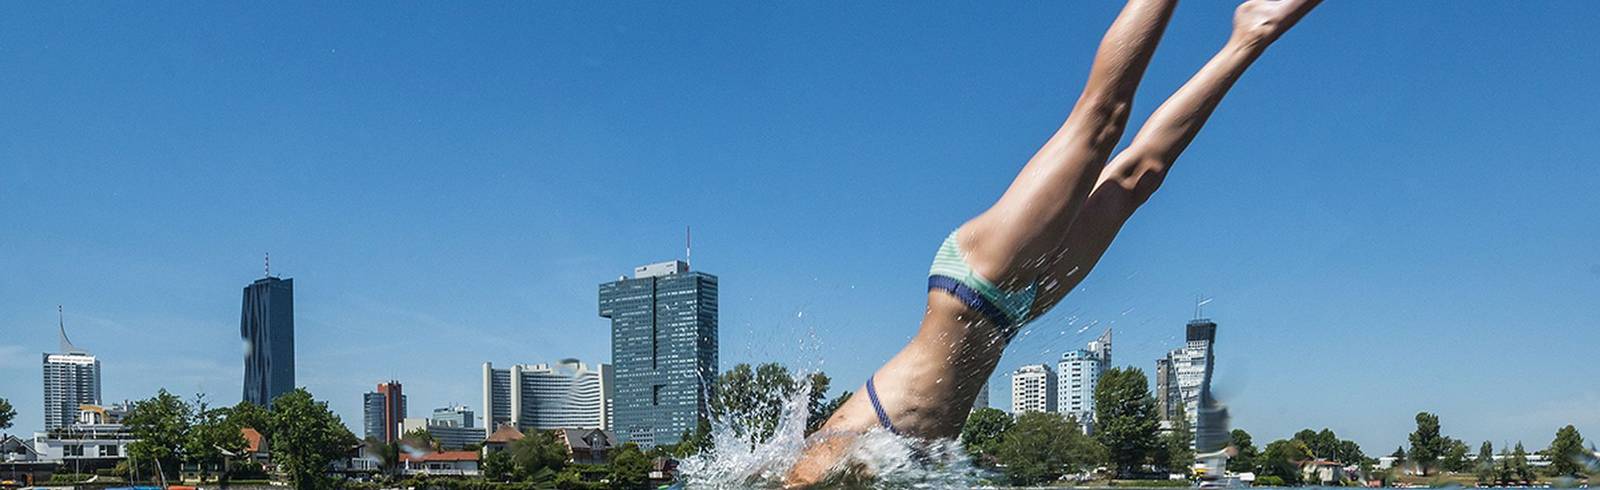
1263	21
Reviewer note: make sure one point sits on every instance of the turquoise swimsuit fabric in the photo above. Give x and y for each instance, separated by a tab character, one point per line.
950	262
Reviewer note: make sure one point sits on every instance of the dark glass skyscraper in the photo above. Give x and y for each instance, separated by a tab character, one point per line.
267	327
663	350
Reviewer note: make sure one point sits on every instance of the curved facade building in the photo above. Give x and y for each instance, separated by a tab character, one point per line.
564	395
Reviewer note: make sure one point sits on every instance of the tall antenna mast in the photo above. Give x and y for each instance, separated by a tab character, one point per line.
266	264
688	245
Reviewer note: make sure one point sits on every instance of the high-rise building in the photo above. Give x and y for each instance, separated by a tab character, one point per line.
664	348
1100	347
453	416
71	379
1078	373
1033	388
564	395
496	397
384	410
982	400
266	325
1166	389
1187	376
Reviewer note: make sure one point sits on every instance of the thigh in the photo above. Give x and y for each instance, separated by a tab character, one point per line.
1104	212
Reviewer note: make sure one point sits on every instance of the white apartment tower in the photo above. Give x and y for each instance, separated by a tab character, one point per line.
1078	373
1033	388
71	379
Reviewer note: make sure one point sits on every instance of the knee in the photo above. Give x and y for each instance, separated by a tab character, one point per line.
1139	177
1113	117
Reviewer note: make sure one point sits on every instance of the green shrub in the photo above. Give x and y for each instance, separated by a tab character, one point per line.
69	477
1269	481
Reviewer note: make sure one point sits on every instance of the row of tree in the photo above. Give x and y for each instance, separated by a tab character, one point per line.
304	437
542	459
1432	452
1038	447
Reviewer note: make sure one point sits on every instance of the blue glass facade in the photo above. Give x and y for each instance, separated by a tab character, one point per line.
267	327
663	351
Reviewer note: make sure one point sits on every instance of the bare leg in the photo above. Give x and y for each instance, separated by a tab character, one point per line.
928	387
1006	241
1135	173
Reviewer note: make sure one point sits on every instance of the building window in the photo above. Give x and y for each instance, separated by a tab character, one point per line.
72	450
108	451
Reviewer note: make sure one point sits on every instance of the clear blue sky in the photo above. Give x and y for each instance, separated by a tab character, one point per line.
1395	209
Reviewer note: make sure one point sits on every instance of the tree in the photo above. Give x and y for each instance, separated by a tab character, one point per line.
817	410
1178	456
388	454
1566	453
160	425
1426	443
1042	447
1519	468
1456	457
1244	459
752	401
981	434
6	414
1282	459
420	439
1399	456
630	469
538	453
1125	414
497	466
1350	453
247	414
1484	465
211	437
306	438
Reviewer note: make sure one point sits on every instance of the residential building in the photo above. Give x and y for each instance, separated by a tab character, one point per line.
266	325
501	438
384	409
71	379
1033	388
1078	373
664	349
97	440
587	446
443	463
565	395
982	401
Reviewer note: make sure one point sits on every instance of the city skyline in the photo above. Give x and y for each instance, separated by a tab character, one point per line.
458	203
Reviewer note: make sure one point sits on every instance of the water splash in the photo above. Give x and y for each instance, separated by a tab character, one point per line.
875	459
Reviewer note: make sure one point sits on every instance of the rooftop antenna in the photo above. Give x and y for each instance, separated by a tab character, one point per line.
688	245
266	264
